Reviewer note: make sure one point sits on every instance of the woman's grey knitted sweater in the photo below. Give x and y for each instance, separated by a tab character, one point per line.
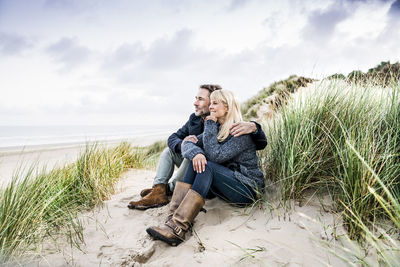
236	153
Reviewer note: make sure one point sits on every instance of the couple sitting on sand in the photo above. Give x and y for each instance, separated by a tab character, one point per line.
216	155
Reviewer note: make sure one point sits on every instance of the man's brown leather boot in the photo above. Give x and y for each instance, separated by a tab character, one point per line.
156	198
147	191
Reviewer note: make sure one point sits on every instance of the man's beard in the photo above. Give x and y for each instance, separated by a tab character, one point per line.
203	113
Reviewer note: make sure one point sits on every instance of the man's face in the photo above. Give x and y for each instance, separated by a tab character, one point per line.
202	102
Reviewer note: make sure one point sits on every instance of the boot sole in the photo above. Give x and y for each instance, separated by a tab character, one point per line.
156	235
133	207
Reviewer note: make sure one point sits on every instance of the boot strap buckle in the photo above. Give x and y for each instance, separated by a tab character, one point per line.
178	230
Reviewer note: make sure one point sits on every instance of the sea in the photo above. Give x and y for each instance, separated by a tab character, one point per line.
22	136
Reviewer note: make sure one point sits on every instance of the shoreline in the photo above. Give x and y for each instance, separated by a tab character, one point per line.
18	160
135	141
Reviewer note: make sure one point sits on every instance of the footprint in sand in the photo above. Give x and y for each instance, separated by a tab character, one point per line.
144	251
106	251
216	216
118	256
127	199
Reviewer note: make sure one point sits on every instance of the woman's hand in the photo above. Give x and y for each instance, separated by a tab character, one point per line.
211	117
199	163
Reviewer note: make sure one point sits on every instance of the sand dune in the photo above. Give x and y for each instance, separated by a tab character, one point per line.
116	236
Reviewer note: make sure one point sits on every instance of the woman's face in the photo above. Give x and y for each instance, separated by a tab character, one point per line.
218	109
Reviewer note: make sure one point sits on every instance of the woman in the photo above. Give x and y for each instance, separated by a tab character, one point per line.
221	164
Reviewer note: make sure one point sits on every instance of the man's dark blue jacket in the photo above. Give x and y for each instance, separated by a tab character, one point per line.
195	126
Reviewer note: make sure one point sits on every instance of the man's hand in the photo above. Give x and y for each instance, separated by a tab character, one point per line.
191	138
199	163
240	128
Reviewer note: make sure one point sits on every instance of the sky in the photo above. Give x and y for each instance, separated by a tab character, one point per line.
101	62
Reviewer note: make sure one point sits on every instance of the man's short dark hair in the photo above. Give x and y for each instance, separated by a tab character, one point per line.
210	87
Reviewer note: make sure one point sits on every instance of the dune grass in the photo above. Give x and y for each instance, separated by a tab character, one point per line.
338	139
44	203
380	237
282	88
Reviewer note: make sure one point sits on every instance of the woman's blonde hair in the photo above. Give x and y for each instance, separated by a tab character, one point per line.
233	115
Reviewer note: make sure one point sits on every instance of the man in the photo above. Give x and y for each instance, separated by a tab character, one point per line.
171	156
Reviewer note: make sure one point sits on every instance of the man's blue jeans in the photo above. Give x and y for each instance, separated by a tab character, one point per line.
220	181
166	165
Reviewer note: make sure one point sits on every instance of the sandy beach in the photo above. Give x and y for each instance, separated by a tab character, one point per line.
300	99
115	235
264	235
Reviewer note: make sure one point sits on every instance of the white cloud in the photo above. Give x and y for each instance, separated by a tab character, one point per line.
126	55
13	44
137	61
68	53
367	21
322	24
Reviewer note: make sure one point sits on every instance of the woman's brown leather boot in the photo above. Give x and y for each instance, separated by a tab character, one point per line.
173	232
179	194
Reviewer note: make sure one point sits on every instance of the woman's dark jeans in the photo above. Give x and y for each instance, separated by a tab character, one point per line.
221	181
